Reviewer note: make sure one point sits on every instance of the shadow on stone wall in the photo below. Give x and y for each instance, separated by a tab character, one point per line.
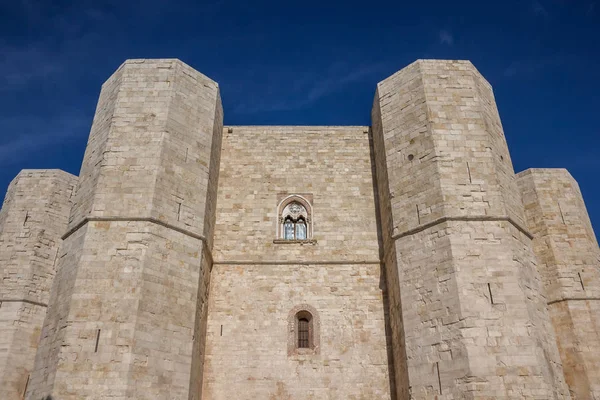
382	281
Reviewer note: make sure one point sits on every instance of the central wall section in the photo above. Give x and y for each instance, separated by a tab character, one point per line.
257	282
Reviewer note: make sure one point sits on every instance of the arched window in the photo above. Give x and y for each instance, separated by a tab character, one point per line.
304	329
295	219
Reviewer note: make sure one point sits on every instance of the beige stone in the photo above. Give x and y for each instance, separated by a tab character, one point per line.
569	257
133	270
469	318
33	218
429	271
256	282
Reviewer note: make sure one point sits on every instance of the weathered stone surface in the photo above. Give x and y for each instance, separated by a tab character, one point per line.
256	282
173	280
331	164
33	218
122	321
570	269
468	317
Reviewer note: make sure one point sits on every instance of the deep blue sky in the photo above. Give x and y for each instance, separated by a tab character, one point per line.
306	63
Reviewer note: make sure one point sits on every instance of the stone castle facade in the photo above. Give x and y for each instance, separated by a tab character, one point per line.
401	260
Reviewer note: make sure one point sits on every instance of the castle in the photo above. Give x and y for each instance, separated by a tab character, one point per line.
402	260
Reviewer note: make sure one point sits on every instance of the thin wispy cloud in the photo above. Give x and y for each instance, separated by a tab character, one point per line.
275	64
47	57
529	67
446	38
29	134
74	34
588	160
23	66
539	10
287	91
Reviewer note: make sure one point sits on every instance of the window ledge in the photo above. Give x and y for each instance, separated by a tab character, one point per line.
303	353
283	241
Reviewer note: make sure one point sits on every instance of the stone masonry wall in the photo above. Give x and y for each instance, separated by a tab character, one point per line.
122	318
570	269
257	282
197	375
474	321
432	272
32	221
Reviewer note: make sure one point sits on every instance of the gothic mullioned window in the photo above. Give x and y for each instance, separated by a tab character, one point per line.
294	219
294	229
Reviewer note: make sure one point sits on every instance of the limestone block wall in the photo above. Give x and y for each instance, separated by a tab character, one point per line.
257	282
262	163
465	297
122	319
144	118
569	264
432	271
32	220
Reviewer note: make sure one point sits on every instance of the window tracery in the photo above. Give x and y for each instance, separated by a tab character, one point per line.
294	219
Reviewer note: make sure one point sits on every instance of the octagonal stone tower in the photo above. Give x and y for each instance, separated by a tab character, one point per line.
33	218
445	283
468	319
570	269
128	306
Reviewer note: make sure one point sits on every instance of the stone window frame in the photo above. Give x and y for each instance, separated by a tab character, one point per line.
314	331
305	201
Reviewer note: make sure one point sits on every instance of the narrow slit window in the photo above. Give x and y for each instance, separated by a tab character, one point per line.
97	341
26	385
491	295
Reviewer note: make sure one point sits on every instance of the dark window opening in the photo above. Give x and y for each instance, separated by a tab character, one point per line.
303	333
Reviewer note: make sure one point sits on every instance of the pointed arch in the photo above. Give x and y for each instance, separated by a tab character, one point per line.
295	222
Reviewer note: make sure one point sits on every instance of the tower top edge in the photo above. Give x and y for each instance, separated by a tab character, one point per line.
162	63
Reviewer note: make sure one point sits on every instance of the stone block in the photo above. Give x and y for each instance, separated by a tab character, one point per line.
465	296
33	218
134	268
